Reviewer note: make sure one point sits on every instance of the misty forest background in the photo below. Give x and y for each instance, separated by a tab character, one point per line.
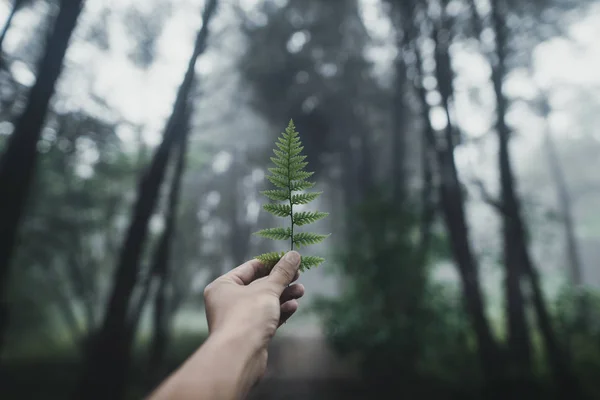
456	143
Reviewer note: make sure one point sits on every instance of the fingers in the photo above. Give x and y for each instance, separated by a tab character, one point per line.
292	292
285	271
247	272
287	310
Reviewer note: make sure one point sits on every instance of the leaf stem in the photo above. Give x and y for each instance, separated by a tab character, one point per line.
290	191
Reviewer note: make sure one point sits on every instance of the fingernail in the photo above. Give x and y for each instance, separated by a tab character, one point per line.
293	257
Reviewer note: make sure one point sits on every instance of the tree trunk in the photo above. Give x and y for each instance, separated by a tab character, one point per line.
513	229
398	138
240	230
428	204
519	252
452	204
106	365
161	317
564	201
18	162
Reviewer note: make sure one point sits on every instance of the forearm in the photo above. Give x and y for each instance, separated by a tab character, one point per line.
223	368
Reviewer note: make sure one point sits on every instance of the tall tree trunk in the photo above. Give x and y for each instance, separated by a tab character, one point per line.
106	365
160	314
452	199
18	162
161	254
398	147
452	204
519	252
513	228
240	229
564	200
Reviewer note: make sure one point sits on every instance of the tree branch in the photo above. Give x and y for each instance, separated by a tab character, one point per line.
487	197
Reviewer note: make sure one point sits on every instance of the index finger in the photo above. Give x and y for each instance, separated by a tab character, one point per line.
247	272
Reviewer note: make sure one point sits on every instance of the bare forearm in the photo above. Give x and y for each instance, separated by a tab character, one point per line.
221	369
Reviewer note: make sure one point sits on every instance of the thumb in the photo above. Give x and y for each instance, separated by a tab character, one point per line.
284	272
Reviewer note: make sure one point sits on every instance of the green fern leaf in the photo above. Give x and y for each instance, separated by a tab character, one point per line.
276	233
301	185
308	217
300	175
304	198
277	195
289	176
270	259
311	261
306	238
279	210
280	182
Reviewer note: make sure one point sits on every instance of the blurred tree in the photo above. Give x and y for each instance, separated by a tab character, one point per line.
563	195
18	161
414	19
70	225
161	269
516	253
518	262
145	27
107	362
314	70
576	315
391	316
233	208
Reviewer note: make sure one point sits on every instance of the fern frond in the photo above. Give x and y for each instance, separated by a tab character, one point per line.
289	176
270	259
279	210
301	185
305	198
310	261
279	171
275	233
277	195
306	238
279	181
300	175
308	217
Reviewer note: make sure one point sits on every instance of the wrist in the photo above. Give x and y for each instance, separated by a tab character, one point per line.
225	367
236	363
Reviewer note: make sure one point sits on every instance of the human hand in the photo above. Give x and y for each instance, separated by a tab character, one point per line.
248	303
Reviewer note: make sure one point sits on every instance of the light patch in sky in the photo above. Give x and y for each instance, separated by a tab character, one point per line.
6	128
213	199
84	171
561	61
438	118
22	74
126	133
252	211
157	223
205	64
222	162
520	85
297	41
375	19
23	21
258	175
434	98
561	122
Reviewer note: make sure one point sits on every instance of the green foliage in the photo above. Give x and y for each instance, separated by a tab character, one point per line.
390	317
577	320
289	176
